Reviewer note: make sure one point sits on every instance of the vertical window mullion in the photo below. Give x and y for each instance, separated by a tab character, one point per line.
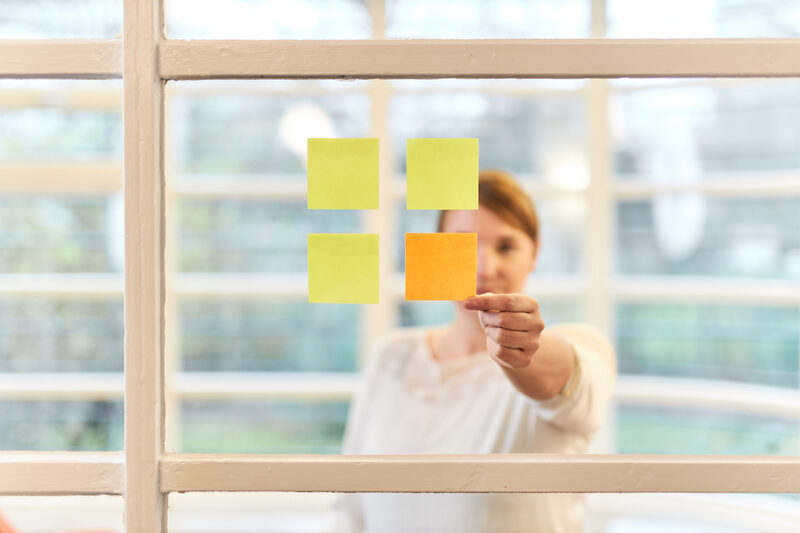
598	241
143	109
383	221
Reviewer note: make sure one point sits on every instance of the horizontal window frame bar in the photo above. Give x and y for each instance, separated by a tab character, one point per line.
304	386
705	291
69	179
61	58
411	58
63	386
690	393
66	98
489	58
631	390
262	187
631	289
191	285
767	184
502	473
82	473
101	177
61	473
99	285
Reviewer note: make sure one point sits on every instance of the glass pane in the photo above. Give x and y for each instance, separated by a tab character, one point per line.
47	125
67	234
249	512
45	334
543	136
478	19
426	313
219	235
58	425
262	426
561	218
656	430
736	343
267	19
257	129
275	335
690	234
61	214
46	122
277	512
62	514
692	513
61	19
708	18
683	133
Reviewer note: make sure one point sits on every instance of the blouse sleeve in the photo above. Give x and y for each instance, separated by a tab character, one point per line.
584	409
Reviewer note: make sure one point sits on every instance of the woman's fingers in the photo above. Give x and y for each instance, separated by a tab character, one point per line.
522	340
512	320
512	324
521	303
507	357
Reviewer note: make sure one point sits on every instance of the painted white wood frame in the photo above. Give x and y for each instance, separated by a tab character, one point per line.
414	58
68	179
484	58
480	473
150	60
143	117
70	59
47	473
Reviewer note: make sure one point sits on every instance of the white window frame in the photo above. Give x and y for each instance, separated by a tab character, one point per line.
145	474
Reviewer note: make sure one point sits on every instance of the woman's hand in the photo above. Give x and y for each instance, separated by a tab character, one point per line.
512	324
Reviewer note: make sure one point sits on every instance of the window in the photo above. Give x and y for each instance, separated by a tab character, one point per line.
669	207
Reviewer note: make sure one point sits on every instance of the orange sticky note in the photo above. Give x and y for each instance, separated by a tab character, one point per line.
441	266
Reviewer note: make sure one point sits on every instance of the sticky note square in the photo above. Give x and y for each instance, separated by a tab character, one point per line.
343	173
343	268
442	173
441	266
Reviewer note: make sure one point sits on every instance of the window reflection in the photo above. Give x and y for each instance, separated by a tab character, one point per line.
562	221
47	334
48	19
734	343
523	135
248	236
267	19
61	426
656	430
730	237
690	133
263	427
271	335
254	131
477	19
708	18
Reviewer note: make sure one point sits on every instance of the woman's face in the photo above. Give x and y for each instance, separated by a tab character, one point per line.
506	255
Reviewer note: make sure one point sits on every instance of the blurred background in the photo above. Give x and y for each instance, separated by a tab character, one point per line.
670	213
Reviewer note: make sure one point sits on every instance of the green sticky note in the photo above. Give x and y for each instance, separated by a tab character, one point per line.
343	268
442	173
343	173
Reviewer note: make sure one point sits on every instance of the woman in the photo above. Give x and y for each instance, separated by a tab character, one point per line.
495	380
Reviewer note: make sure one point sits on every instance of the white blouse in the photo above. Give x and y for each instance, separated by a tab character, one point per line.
411	403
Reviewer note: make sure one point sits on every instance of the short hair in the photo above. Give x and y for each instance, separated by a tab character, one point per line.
502	194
